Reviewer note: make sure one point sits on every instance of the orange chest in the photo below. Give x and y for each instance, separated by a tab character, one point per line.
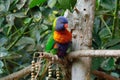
62	36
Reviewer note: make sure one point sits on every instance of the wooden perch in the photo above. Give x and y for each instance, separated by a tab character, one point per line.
74	54
94	53
83	53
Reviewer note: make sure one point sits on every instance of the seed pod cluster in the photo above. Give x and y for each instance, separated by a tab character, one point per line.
33	70
50	70
58	73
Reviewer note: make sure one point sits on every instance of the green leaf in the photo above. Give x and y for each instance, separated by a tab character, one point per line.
19	14
102	12
65	4
97	4
2	8
1	64
26	40
3	41
7	4
73	2
97	42
51	17
104	33
96	27
21	4
115	74
43	35
4	5
116	47
27	20
37	36
10	19
51	3
34	3
108	4
96	62
1	71
37	16
1	21
44	27
108	64
112	43
3	52
26	43
13	4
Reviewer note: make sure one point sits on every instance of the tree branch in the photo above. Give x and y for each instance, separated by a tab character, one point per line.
102	75
50	57
18	75
72	55
94	53
85	53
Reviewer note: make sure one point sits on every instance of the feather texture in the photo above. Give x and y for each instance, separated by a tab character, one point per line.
60	40
63	36
50	43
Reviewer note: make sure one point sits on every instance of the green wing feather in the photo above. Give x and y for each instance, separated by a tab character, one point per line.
50	43
49	46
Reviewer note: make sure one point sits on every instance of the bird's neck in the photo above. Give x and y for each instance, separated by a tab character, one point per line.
61	31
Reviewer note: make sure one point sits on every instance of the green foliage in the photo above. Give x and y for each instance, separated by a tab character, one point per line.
25	25
97	63
65	3
108	64
34	3
51	3
106	27
54	51
106	35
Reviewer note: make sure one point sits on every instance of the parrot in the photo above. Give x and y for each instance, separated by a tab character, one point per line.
59	42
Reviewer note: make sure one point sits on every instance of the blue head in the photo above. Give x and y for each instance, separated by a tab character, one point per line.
61	23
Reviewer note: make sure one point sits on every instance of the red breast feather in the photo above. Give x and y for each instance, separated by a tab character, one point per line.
62	36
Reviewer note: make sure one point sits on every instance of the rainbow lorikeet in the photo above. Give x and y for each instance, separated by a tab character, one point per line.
59	43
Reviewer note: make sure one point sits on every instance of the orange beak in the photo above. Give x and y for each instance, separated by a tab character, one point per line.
66	25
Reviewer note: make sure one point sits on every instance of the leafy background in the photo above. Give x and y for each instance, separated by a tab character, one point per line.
25	26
